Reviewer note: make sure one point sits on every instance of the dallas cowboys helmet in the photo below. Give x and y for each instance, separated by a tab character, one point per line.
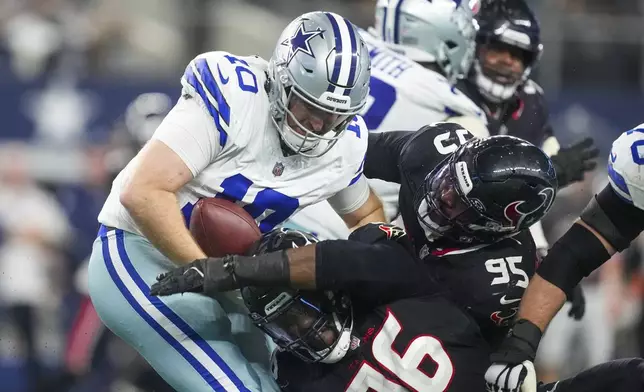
625	166
438	31
488	189
315	326
319	81
509	28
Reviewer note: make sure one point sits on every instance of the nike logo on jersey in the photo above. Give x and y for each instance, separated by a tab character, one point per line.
221	77
553	387
508	301
613	157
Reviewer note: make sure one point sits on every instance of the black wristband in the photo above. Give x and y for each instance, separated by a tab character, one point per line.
269	269
528	332
521	344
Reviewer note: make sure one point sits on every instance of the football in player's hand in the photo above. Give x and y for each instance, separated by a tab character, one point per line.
221	227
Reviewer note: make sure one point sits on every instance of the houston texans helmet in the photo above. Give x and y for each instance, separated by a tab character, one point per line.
488	189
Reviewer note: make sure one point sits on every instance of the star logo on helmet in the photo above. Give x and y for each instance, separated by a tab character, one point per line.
300	42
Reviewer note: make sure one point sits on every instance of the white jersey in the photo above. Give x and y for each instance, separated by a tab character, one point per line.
403	96
626	166
222	130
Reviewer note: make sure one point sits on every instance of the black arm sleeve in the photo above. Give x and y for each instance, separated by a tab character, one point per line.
579	252
627	219
574	256
383	155
384	270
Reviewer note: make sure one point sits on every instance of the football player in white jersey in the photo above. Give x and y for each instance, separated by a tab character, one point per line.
419	49
274	136
612	219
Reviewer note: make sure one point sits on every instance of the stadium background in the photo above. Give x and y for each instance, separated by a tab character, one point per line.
70	68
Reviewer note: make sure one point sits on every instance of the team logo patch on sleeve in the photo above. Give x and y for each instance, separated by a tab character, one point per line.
393	232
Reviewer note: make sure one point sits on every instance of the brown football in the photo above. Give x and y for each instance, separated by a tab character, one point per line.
221	227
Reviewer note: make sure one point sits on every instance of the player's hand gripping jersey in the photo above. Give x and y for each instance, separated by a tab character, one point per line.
221	130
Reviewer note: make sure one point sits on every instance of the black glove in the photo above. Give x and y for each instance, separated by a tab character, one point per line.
572	162
219	274
521	344
578	303
201	276
512	362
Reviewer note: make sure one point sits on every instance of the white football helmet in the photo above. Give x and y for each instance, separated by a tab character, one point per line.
625	162
437	31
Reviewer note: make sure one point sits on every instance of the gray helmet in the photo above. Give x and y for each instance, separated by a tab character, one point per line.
438	31
319	81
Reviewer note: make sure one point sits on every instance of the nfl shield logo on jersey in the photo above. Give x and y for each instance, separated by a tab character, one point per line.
278	169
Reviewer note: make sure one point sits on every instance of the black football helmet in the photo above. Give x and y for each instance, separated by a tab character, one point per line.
505	26
488	189
315	326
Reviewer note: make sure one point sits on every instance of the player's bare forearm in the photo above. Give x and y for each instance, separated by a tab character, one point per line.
157	214
541	302
543	299
376	216
371	211
149	195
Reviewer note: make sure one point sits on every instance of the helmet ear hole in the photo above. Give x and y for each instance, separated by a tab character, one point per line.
451	44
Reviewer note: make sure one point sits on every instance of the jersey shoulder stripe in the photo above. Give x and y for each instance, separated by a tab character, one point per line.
202	81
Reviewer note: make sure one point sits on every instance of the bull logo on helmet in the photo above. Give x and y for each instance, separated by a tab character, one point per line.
516	216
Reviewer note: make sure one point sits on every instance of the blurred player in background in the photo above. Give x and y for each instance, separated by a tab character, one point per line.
275	135
508	48
135	128
419	50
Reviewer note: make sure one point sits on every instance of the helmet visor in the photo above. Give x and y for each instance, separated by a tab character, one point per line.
443	209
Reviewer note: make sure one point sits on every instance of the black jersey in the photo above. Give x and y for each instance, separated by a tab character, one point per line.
487	281
406	158
422	344
525	115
